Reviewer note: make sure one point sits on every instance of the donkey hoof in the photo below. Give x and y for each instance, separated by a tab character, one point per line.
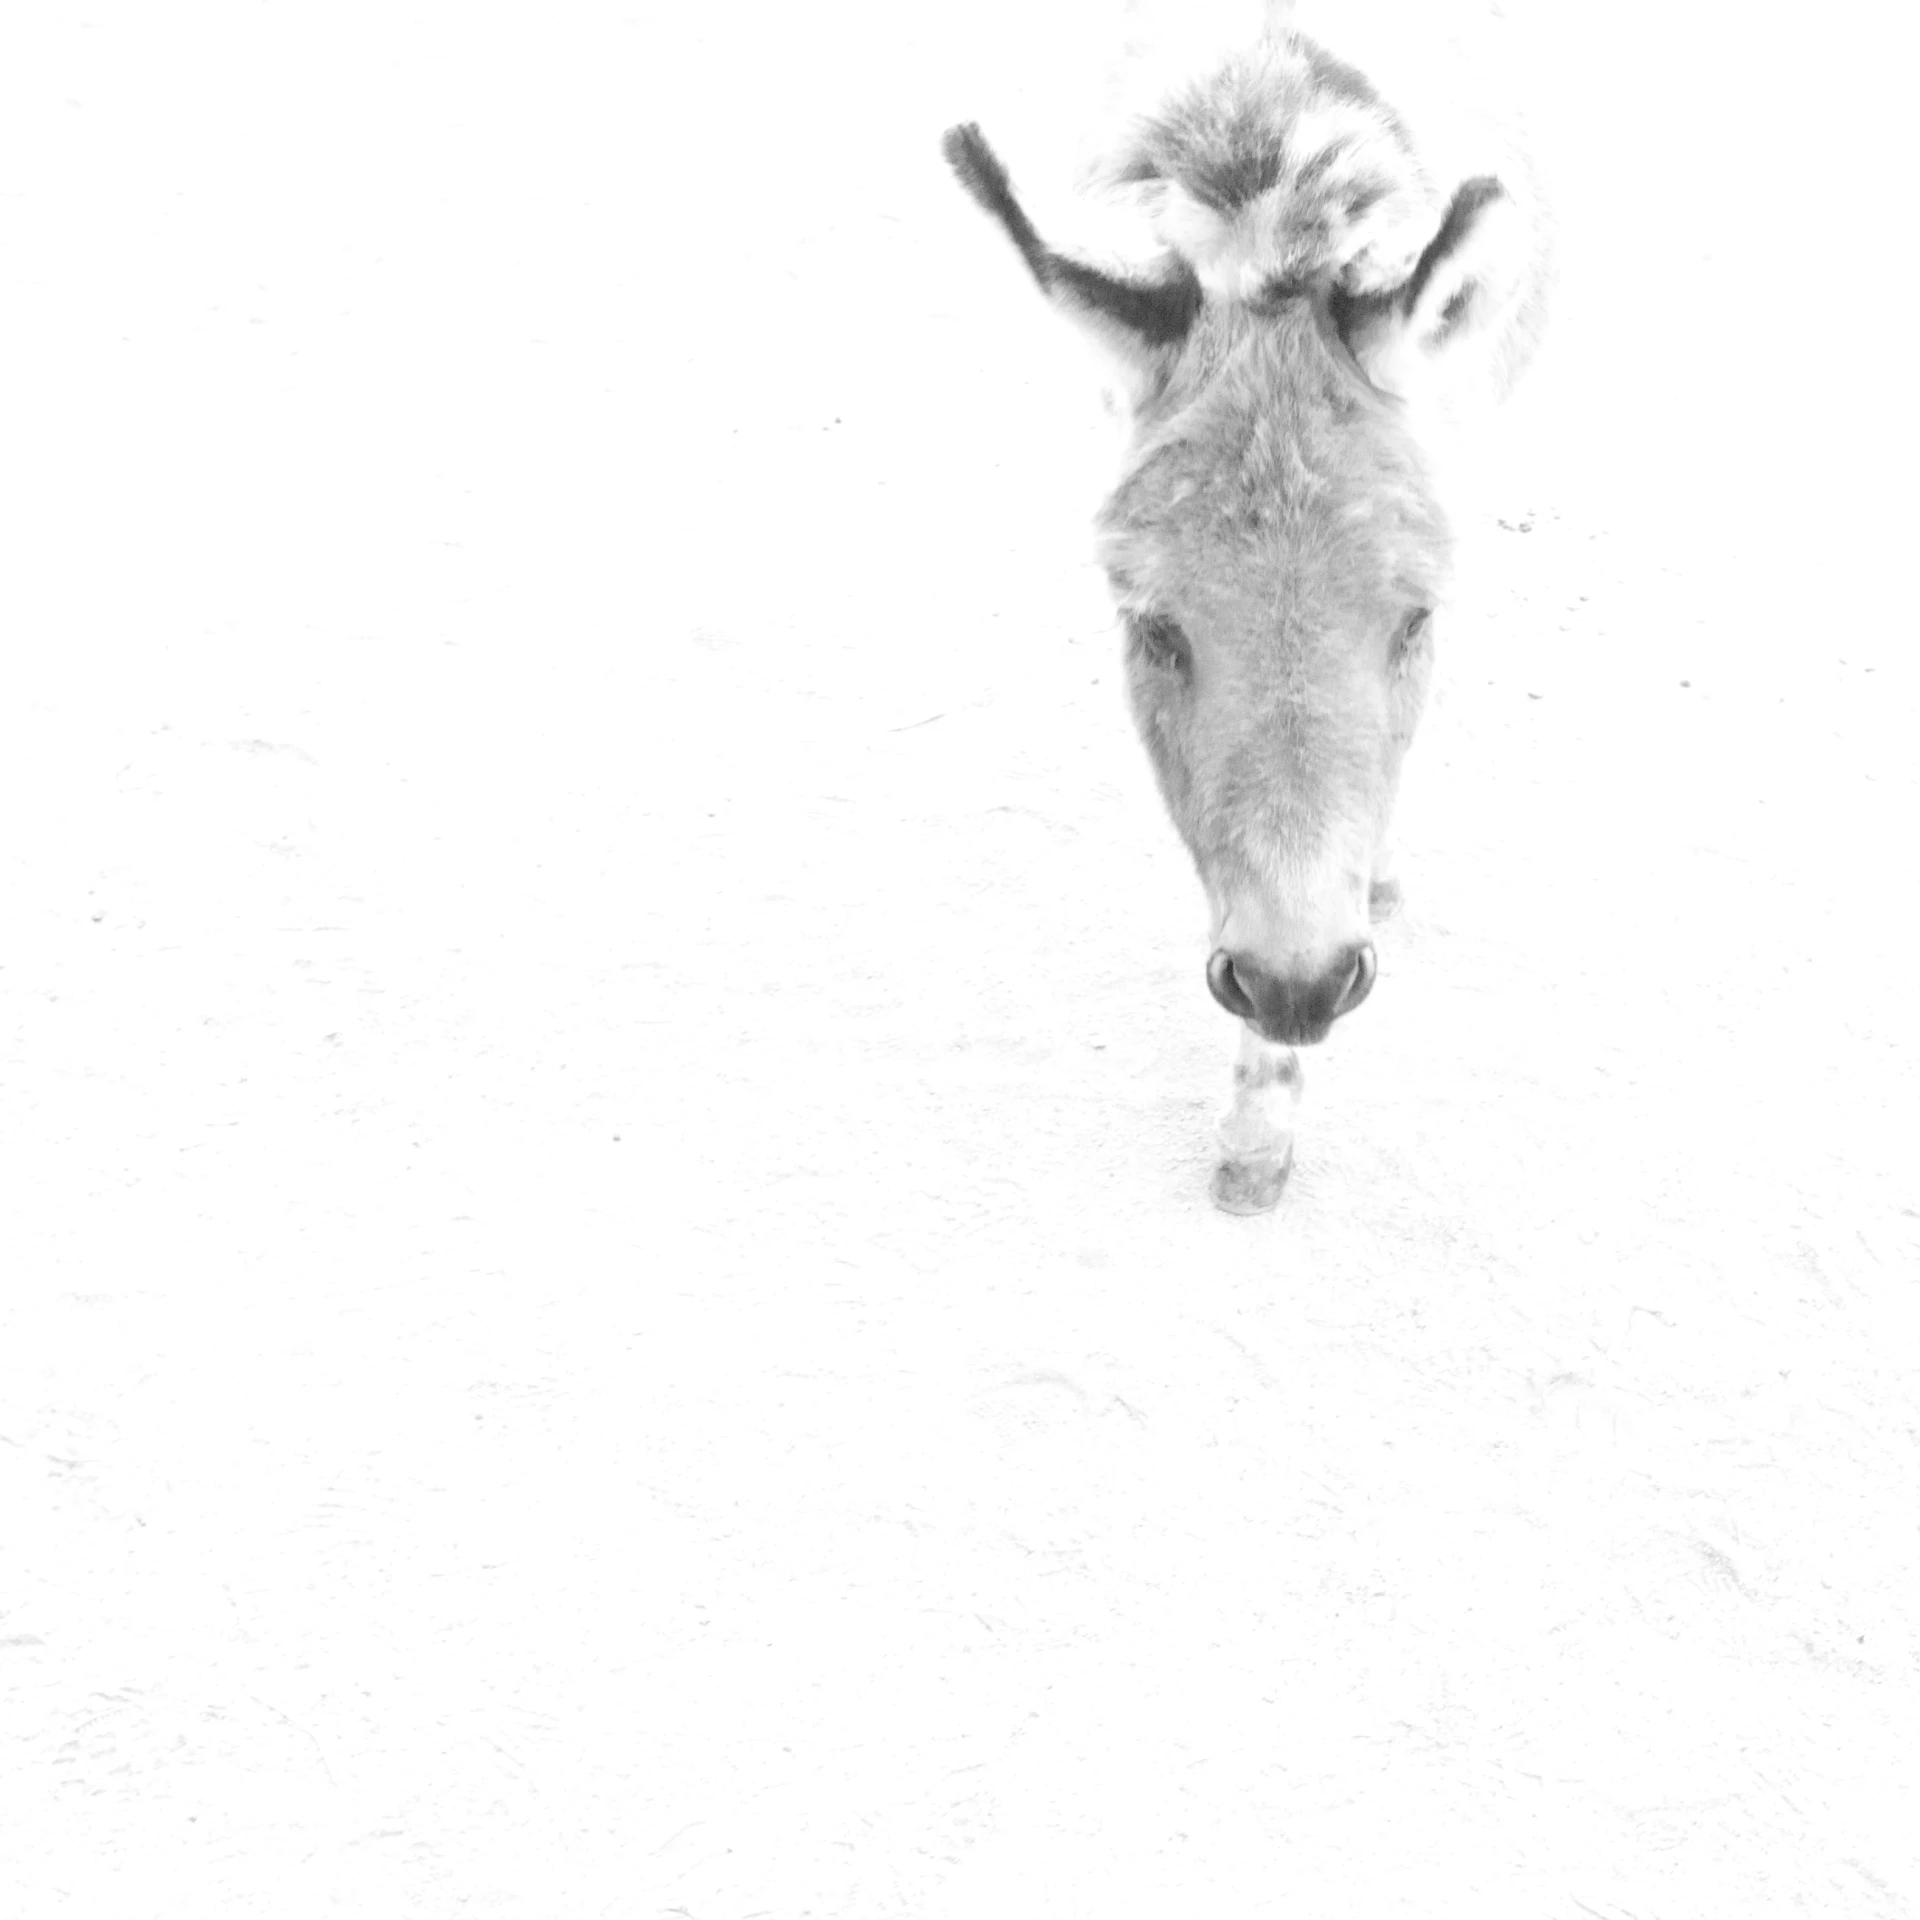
1250	1186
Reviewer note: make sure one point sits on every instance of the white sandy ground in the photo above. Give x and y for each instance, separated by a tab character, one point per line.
609	1300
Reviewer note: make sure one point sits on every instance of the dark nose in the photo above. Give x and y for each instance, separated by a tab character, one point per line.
1294	1010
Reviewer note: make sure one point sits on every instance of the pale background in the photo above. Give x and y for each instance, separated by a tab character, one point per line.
609	1304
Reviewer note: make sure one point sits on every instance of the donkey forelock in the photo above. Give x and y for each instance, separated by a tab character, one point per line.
1283	166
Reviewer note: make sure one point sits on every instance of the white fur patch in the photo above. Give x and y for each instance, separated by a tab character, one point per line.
1266	1097
1350	204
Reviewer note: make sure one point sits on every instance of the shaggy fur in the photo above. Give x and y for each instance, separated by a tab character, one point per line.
1285	168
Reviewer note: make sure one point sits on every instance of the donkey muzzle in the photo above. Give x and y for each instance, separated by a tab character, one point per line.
1294	1010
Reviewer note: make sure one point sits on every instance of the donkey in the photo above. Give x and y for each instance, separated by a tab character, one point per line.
1340	279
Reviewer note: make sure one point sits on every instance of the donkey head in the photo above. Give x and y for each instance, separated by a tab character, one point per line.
1277	554
1274	543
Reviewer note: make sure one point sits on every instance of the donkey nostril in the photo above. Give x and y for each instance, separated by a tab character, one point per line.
1224	984
1365	966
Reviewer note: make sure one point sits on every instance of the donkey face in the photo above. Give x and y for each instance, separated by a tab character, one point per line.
1277	553
1275	543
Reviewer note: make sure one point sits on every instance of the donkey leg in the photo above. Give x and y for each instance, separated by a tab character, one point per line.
1256	1136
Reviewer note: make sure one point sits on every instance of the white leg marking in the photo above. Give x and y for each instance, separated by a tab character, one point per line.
1256	1136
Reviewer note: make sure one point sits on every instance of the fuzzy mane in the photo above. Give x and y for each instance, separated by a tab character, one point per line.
1284	169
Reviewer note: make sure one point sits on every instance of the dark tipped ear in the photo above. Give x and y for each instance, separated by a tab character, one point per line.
1448	277
1135	315
1455	319
983	175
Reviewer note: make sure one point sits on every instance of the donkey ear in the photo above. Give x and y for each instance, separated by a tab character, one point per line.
1143	319
1451	325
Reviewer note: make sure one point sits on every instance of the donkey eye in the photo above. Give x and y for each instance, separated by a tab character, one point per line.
1160	642
1410	629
